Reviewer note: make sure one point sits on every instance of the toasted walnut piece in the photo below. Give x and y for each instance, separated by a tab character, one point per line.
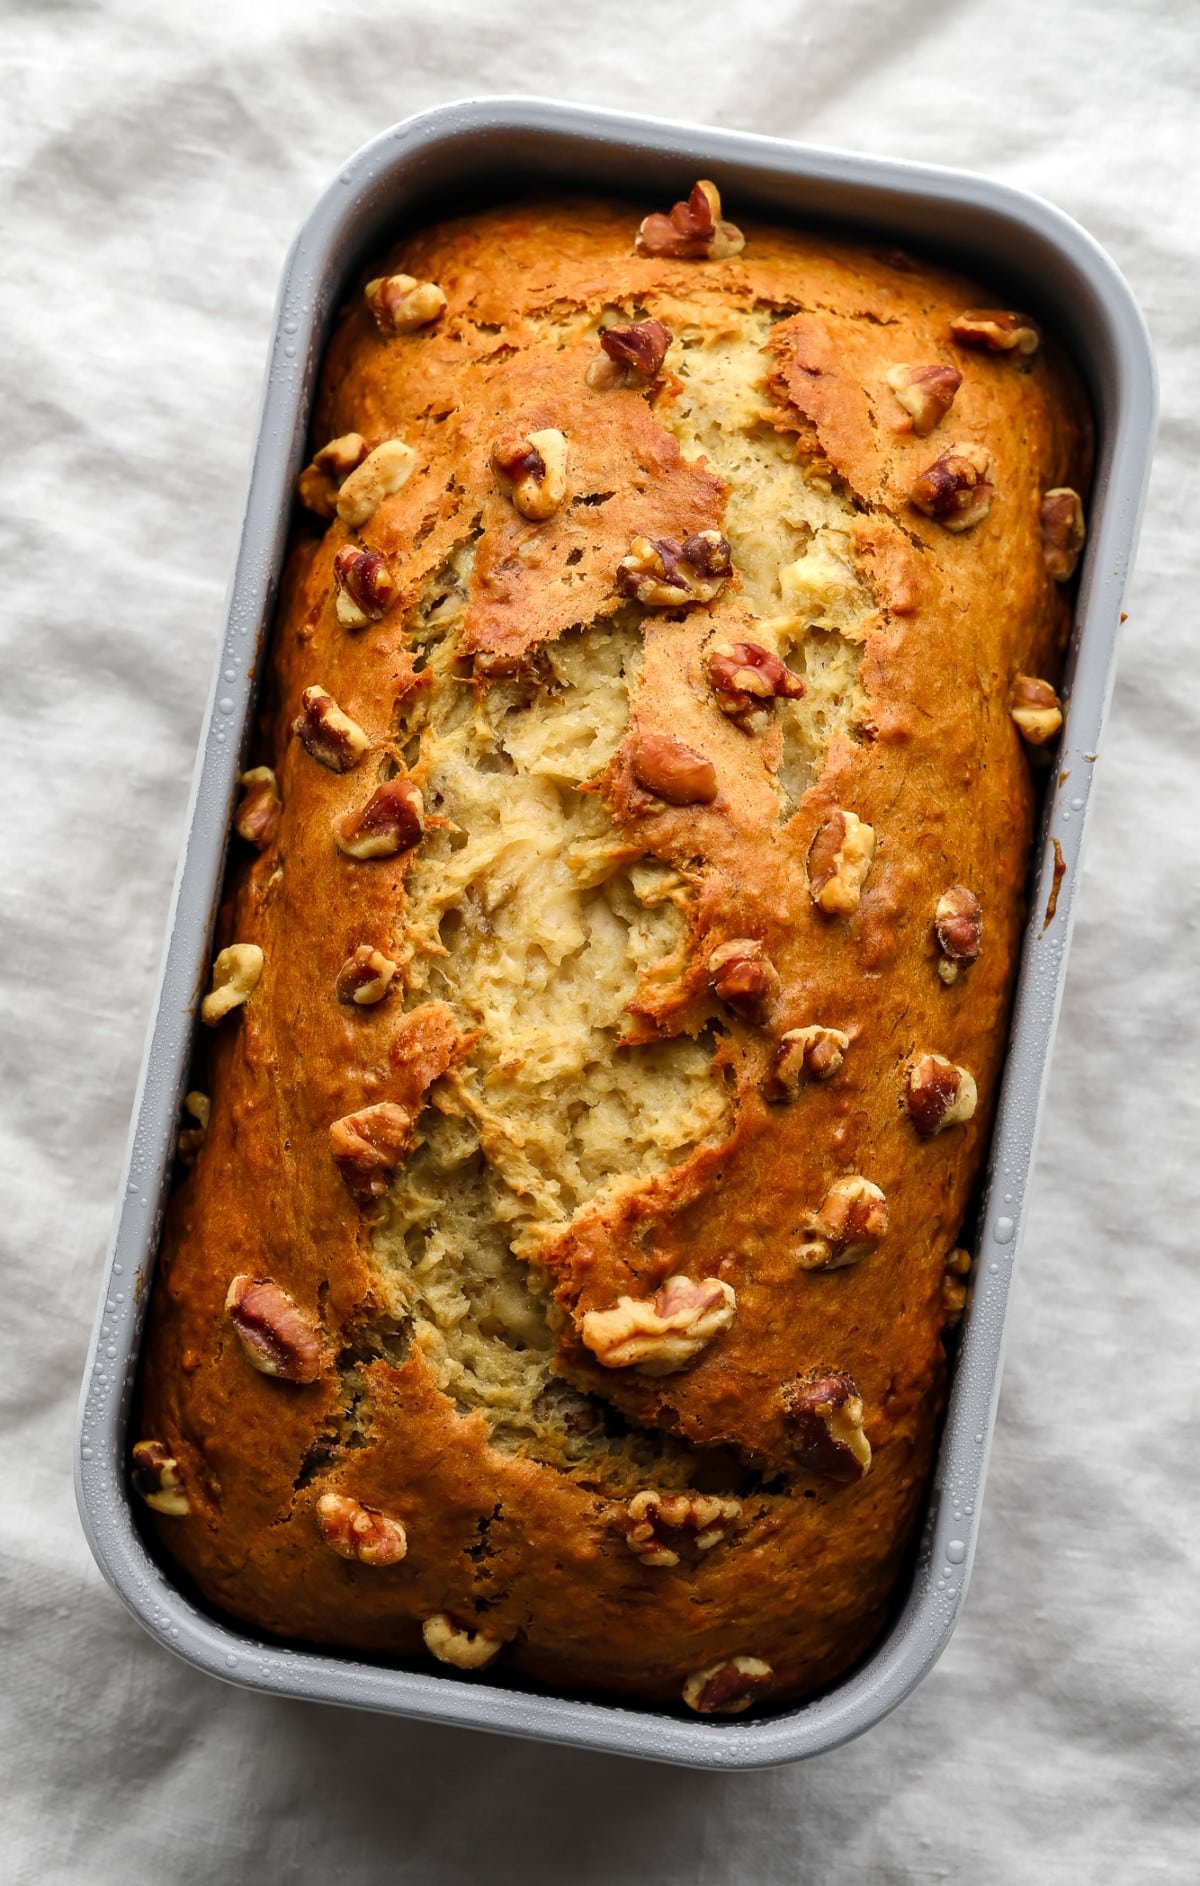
381	473
651	1519
360	1532
958	927
996	330
365	977
824	1414
327	733
742	975
1035	708
199	1107
1063	531
813	1053
532	467
926	394
368	1146
747	680
392	820
954	1288
158	1480
665	767
629	356
366	587
465	1649
838	861
661	1334
258	815
662	574
726	1689
235	975
320	481
939	1094
955	490
693	231
401	303
277	1337
852	1220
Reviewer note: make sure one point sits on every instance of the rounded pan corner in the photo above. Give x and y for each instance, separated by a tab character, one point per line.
403	165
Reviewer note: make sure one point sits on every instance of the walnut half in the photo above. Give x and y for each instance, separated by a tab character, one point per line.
392	820
939	1094
235	976
926	394
365	977
694	231
322	479
1035	708
664	1333
401	303
276	1337
852	1220
328	734
824	1415
666	768
360	1532
629	356
533	470
369	1145
726	1689
261	808
956	490
1063	531
958	927
996	331
657	1524
382	473
839	858
742	975
456	1644
158	1480
366	588
660	573
813	1053
747	680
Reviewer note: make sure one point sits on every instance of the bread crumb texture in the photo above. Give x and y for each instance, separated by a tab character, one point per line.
655	722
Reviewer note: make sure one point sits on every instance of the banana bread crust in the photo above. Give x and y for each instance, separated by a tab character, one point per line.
590	1089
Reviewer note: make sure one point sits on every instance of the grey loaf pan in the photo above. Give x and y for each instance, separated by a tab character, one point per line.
456	157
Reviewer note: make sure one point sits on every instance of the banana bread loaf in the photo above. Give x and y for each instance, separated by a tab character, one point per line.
615	960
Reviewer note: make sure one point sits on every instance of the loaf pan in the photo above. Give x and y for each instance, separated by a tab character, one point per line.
459	157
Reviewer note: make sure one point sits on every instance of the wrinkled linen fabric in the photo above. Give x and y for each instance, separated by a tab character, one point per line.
155	164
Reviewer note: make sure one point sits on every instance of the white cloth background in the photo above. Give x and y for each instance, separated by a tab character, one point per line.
156	161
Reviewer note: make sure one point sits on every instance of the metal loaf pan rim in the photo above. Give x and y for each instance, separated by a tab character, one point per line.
1071	280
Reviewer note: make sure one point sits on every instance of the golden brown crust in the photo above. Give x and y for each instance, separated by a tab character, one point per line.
531	1552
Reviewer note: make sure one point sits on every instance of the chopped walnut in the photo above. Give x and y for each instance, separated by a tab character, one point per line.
996	330
392	820
464	1648
741	975
838	861
694	231
533	470
198	1107
663	1333
814	1053
320	481
939	1094
261	807
665	767
1063	531
235	975
401	304
1035	708
849	1225
381	473
954	1287
365	977
824	1415
926	394
276	1336
958	927
746	682
629	356
368	1146
726	1689
366	588
662	574
158	1480
652	1518
328	734
360	1532
955	490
